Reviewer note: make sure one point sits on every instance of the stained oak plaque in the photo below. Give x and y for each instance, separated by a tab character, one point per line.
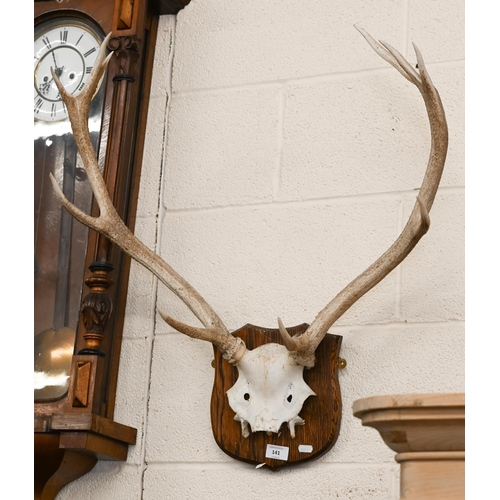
322	413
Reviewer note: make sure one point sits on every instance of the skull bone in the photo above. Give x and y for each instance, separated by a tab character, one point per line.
270	390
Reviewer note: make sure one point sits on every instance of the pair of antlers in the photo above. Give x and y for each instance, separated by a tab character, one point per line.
110	225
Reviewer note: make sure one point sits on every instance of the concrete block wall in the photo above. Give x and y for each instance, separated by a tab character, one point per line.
282	158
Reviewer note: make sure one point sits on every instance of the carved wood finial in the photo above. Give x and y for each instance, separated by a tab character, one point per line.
126	49
96	307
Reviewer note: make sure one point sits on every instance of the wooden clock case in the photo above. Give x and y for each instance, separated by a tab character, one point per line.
73	432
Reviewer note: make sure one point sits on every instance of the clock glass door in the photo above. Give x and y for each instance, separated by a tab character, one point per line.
69	47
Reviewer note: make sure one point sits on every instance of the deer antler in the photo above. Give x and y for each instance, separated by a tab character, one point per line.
109	223
417	225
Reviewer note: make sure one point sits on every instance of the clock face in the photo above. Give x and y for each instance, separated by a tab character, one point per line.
70	48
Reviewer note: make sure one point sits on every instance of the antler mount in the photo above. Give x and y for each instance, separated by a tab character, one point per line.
299	351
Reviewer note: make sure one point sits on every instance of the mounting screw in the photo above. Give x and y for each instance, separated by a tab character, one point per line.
341	363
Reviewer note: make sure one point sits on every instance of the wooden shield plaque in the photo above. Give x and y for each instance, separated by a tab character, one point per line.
322	413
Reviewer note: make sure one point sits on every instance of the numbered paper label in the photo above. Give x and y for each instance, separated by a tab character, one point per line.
277	452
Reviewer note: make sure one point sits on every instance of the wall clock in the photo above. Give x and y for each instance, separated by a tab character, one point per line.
70	46
80	278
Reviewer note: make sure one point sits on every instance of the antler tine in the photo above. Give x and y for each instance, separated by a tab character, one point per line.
224	342
391	55
110	224
418	222
290	343
78	109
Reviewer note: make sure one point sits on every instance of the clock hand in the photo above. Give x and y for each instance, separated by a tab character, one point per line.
58	70
54	57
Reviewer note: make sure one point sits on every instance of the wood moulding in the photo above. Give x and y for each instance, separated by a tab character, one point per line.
72	437
55	467
70	447
427	432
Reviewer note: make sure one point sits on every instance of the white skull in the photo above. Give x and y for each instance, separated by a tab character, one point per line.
270	390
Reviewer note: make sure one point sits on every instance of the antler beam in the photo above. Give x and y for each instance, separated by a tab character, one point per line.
110	225
418	223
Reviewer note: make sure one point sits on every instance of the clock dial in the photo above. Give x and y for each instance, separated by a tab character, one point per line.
70	48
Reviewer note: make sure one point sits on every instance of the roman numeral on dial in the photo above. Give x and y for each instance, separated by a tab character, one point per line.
38	105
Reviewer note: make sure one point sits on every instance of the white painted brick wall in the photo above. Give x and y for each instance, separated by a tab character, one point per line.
282	162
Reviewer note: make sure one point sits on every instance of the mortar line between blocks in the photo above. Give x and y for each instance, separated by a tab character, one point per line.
394	483
239	465
406	27
387	196
394	326
398	285
280	130
303	80
360	328
160	215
